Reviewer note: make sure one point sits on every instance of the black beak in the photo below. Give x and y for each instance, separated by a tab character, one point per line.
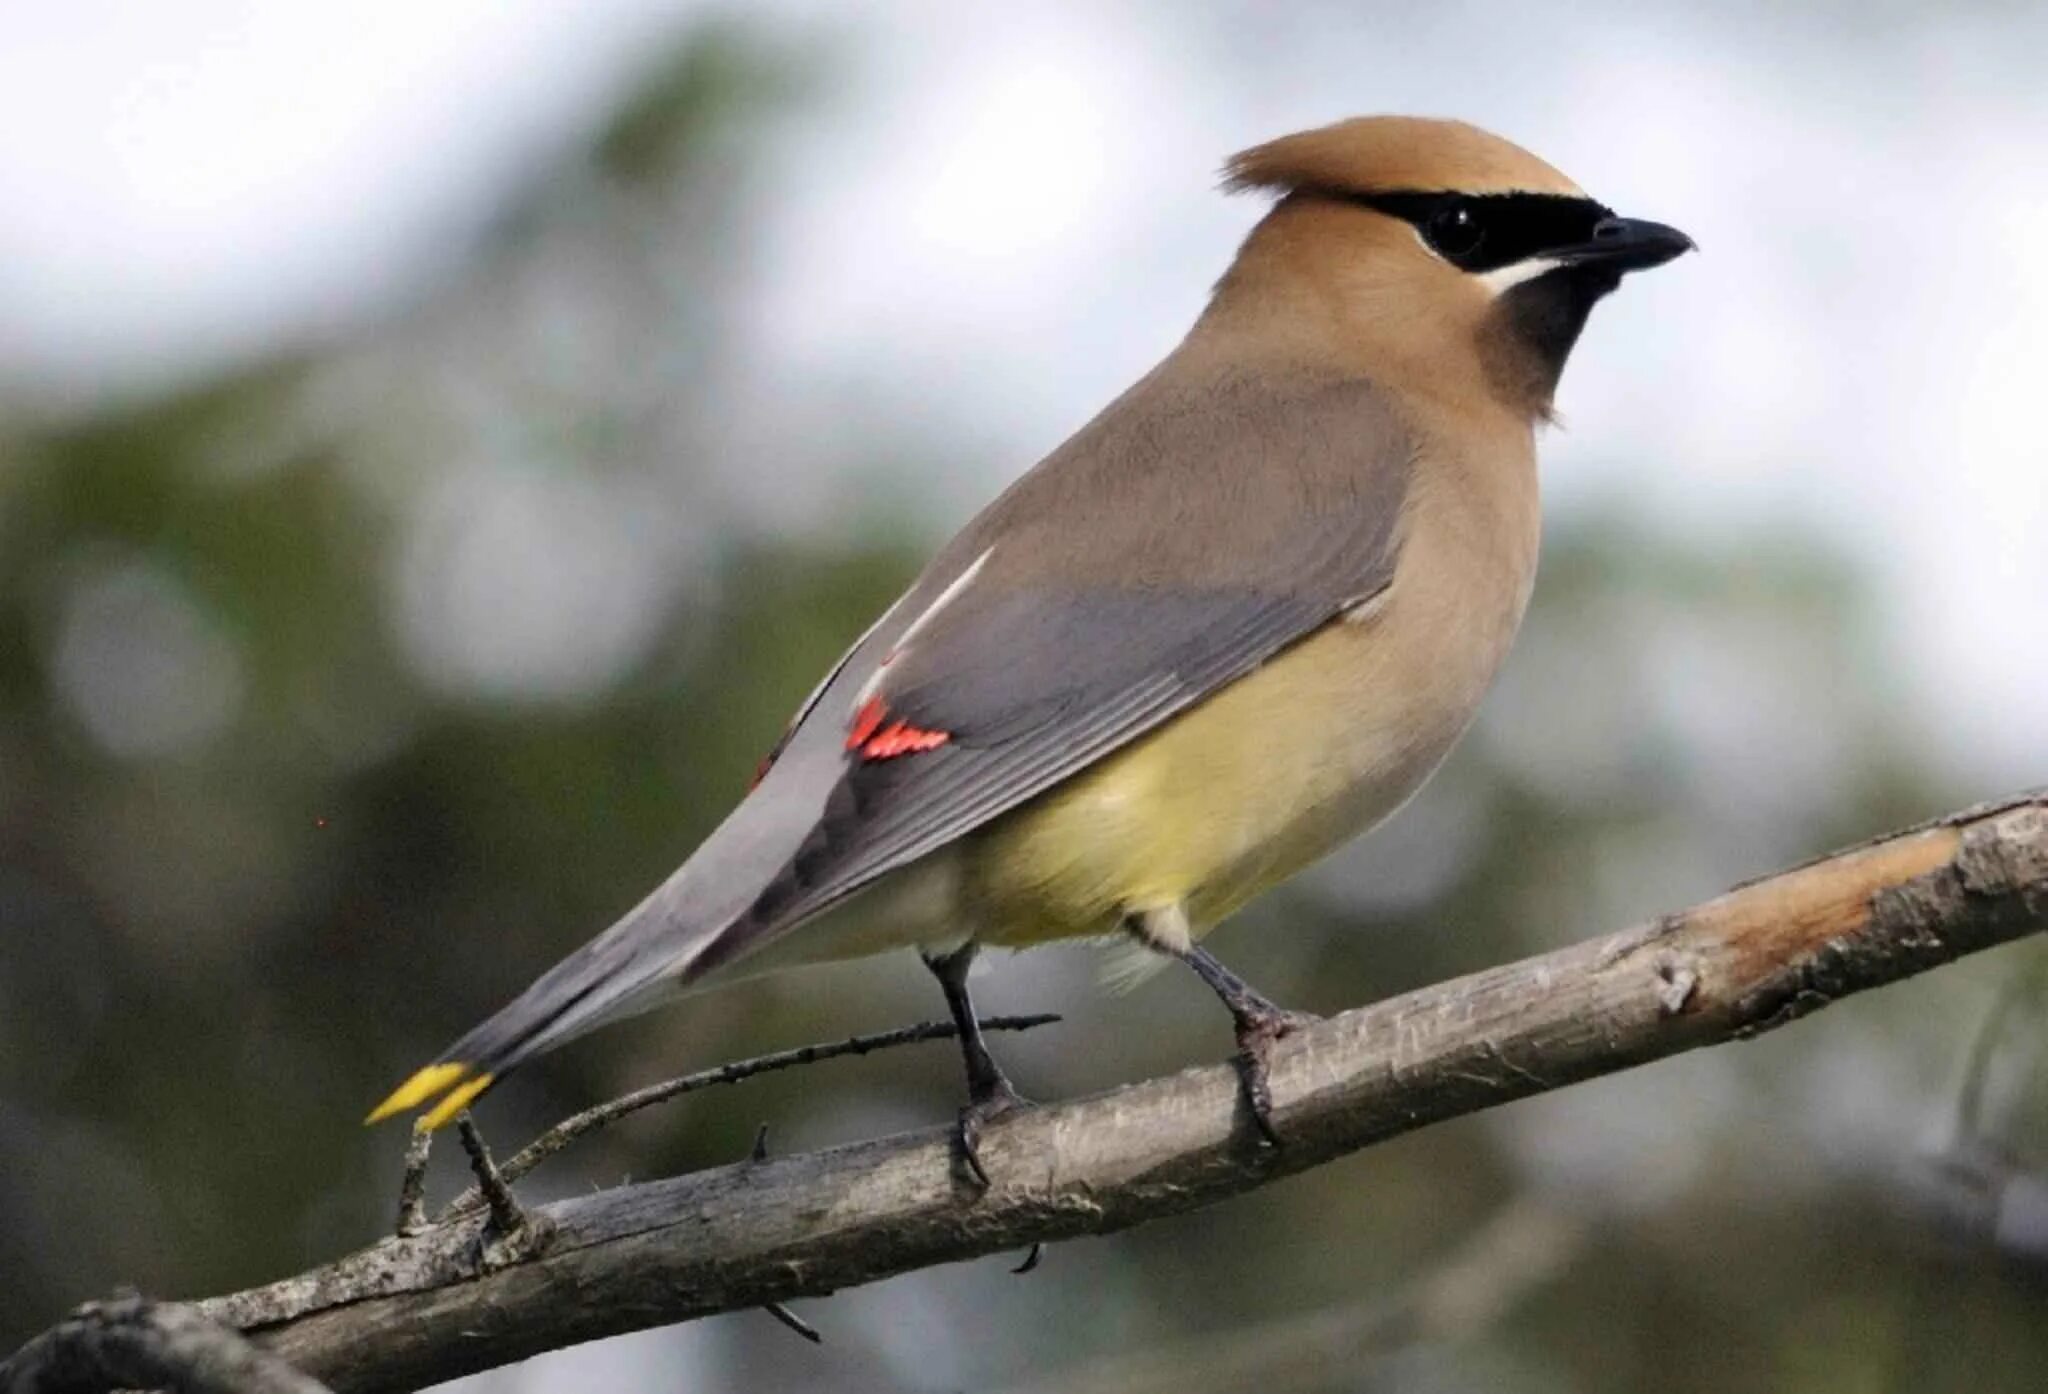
1627	244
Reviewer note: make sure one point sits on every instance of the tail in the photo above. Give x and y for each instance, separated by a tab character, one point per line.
699	920
634	965
706	916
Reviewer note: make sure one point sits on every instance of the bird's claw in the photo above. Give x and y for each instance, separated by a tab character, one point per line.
1256	1033
998	1101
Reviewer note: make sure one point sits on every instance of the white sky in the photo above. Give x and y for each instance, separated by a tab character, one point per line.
1006	212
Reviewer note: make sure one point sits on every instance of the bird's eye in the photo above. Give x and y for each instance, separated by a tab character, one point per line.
1454	232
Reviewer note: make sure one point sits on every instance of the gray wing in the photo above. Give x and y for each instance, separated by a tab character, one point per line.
1182	539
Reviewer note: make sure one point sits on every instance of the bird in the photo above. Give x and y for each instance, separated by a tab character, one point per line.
1236	620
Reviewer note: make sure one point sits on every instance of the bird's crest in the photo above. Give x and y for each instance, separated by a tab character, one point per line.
1387	154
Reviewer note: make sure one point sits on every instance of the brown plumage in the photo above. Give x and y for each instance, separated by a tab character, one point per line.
1387	154
1236	619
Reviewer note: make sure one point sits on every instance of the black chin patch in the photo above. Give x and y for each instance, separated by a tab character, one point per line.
1539	321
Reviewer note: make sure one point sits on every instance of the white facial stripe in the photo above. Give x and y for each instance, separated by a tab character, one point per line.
1505	278
915	627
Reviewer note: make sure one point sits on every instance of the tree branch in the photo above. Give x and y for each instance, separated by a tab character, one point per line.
414	1310
604	1115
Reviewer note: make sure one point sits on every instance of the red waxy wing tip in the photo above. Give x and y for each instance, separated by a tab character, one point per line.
866	722
874	737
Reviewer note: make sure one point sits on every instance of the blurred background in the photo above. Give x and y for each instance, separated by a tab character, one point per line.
440	444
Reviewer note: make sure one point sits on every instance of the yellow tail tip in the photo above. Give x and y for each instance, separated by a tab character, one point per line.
457	1100
424	1085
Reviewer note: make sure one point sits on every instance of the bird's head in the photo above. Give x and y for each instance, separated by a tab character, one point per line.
1436	247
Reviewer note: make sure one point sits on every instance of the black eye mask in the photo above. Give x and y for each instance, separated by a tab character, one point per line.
1482	232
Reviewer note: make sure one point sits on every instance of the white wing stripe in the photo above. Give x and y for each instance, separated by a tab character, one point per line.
931	612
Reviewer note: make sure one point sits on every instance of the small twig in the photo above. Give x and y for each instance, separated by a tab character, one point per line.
412	1210
602	1115
133	1343
757	1154
1031	1260
506	1216
793	1322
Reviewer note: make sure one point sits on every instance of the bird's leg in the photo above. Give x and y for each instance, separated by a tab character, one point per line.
1258	1019
989	1094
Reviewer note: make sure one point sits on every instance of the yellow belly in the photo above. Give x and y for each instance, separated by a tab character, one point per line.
1236	795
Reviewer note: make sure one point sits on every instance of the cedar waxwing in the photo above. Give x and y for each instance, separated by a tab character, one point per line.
1233	622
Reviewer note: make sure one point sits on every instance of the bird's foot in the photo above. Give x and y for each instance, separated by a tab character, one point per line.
995	1101
1258	1028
